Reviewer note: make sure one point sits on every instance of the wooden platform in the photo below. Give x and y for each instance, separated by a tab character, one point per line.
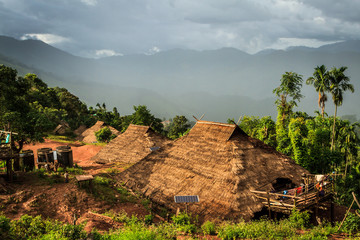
301	200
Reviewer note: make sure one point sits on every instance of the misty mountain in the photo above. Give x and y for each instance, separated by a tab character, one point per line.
223	83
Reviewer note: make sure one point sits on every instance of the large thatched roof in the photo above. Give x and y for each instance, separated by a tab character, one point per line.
88	136
131	146
218	162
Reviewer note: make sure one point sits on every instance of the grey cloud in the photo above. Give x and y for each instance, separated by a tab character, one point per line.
346	10
139	25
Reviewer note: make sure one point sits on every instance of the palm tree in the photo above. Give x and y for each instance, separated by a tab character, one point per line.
290	87
339	83
320	80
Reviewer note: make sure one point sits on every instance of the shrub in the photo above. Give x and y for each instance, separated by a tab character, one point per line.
299	219
4	227
183	223
351	224
104	135
208	228
30	227
181	219
73	232
148	219
166	231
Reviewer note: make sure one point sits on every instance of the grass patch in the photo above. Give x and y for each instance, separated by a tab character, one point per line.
62	139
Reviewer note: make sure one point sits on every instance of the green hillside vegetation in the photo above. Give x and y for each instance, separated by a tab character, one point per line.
297	226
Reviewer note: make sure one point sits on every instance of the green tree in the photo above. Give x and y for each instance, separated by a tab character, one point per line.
320	80
142	116
298	134
288	94
339	83
19	115
290	87
178	127
348	141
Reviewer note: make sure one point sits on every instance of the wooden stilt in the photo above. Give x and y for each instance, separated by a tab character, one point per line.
332	211
269	206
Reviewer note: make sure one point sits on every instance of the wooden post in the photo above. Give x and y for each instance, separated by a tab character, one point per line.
10	161
186	208
332	211
346	214
295	198
269	206
317	205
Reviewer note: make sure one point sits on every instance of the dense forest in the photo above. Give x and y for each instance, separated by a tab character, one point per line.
324	143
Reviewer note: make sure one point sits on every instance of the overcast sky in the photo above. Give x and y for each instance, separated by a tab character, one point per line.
95	28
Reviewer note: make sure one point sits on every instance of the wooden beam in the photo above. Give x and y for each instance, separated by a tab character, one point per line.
276	194
2	131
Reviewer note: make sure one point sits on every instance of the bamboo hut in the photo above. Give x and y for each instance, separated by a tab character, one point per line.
88	136
219	163
130	147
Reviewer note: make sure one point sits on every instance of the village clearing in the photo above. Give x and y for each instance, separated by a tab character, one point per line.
49	196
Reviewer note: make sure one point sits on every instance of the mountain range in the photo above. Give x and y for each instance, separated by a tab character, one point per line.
223	83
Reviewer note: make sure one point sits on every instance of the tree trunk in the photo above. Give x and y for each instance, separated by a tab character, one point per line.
346	164
333	135
320	105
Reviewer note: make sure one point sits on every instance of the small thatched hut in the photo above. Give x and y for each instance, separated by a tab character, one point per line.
218	162
88	136
130	147
62	128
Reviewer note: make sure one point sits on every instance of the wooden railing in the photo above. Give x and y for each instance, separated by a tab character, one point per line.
286	202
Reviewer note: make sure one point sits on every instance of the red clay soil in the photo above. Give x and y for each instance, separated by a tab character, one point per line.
66	202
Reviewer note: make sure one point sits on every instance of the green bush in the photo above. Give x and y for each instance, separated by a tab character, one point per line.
299	219
208	228
4	227
104	135
148	219
351	224
166	231
319	232
183	223
181	219
73	232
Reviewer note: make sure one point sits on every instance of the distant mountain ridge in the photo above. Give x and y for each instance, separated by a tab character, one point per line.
223	83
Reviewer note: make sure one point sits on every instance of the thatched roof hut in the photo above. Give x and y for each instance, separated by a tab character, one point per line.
130	147
216	161
62	128
88	136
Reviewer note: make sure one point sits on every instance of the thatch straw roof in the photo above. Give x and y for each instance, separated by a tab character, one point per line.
80	130
88	136
216	161
130	147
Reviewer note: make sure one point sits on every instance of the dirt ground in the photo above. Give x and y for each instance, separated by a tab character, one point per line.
66	202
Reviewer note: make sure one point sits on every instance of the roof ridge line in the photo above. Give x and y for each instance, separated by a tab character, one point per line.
217	123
